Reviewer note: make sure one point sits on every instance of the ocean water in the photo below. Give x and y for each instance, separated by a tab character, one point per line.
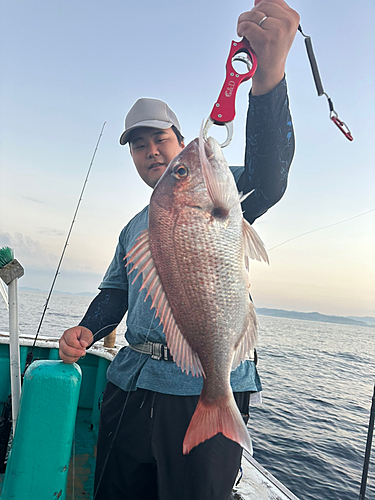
310	432
64	311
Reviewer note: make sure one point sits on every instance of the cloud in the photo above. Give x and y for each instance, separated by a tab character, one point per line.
34	200
28	251
50	231
40	266
32	254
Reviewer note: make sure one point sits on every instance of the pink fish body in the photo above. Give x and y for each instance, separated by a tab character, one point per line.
194	260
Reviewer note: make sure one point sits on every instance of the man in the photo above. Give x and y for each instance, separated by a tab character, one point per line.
148	402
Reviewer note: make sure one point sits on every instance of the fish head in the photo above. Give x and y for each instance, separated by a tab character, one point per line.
182	183
198	176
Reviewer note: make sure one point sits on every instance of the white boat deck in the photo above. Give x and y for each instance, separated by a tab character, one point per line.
258	484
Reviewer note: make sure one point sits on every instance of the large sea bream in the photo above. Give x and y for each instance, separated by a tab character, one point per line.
194	259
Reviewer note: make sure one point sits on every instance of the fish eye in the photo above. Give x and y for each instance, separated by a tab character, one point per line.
180	171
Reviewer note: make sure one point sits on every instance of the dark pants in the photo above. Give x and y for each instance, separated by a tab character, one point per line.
140	450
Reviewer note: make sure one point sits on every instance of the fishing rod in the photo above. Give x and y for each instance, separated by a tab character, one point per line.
368	449
30	355
6	416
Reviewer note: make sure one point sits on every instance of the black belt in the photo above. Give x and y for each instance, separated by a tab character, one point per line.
161	351
156	351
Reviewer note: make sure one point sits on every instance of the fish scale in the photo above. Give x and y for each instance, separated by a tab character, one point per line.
207	277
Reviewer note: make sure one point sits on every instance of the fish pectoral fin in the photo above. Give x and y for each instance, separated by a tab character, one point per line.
254	247
141	258
211	418
140	255
245	349
183	355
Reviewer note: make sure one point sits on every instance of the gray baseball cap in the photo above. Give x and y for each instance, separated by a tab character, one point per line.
148	113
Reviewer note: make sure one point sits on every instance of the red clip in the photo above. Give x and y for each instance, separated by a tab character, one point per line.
224	108
342	126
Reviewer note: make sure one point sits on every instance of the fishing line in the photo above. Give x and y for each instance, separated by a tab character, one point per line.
319	229
30	354
115	325
123	410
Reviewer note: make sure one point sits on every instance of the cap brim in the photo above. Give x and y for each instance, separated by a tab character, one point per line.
147	123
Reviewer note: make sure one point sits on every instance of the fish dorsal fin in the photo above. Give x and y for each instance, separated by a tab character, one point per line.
219	182
253	245
245	349
141	258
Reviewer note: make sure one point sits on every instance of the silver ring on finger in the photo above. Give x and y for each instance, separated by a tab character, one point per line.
262	21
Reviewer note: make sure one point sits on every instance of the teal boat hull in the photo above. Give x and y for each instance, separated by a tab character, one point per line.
54	446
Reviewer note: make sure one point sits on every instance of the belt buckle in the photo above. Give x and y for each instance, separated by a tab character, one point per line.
157	351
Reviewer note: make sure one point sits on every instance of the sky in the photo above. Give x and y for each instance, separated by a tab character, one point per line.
68	67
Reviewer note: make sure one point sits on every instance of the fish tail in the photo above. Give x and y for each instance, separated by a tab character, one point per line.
211	418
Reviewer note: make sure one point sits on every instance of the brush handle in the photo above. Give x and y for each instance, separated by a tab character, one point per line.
14	350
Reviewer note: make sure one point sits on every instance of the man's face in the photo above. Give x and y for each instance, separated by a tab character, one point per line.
152	149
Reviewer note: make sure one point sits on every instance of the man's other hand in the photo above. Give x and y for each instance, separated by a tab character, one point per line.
74	342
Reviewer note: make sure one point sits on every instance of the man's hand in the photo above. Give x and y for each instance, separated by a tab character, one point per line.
271	41
74	342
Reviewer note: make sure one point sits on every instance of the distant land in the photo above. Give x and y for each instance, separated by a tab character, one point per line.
368	319
264	311
315	316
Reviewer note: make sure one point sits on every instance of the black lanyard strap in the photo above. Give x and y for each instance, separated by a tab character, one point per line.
319	86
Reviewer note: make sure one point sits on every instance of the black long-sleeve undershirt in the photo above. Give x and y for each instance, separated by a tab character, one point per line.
270	146
105	312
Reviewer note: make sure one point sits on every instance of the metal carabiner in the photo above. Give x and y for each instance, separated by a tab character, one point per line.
341	125
223	111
